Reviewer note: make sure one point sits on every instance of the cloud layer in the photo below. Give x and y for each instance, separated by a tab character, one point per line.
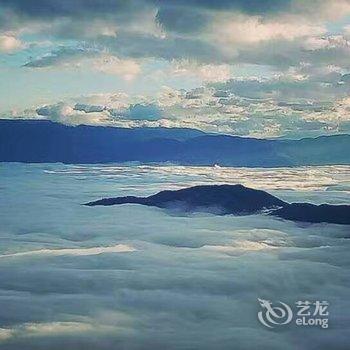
191	282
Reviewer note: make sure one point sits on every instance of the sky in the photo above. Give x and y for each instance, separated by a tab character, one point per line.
273	68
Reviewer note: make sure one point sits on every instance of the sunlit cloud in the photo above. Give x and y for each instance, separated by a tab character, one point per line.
119	248
9	43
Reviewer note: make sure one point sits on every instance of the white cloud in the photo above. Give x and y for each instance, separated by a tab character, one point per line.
119	248
204	72
30	330
127	69
303	101
254	29
66	114
9	43
327	42
5	334
53	328
335	116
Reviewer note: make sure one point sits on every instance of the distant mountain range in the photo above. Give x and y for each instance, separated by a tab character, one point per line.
237	200
45	141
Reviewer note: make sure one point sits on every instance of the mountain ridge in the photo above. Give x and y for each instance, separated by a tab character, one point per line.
43	141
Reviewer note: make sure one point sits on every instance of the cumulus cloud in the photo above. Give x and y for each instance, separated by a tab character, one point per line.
303	101
66	114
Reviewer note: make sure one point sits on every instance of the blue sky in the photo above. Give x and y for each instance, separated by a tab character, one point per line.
269	68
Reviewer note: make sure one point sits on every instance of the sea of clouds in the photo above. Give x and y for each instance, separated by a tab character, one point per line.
134	277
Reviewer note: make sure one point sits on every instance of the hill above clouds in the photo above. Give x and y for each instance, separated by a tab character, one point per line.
236	200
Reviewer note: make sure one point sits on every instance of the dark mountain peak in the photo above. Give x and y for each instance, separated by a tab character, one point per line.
337	214
222	195
221	199
237	200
